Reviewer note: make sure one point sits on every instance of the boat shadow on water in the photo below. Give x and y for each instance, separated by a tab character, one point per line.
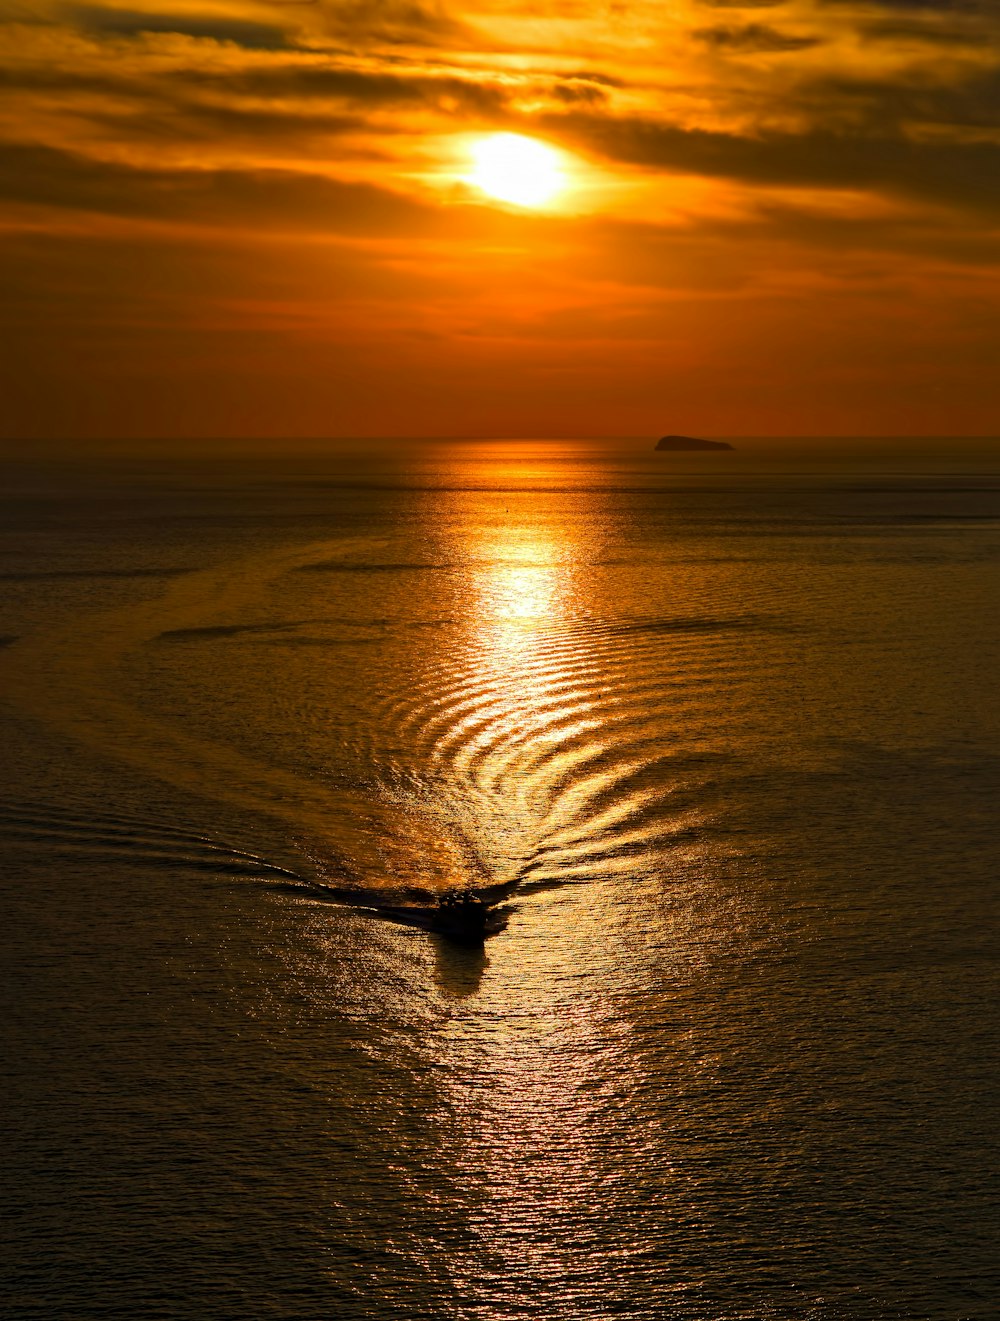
458	969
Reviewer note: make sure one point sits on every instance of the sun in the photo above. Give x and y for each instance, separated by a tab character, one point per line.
517	169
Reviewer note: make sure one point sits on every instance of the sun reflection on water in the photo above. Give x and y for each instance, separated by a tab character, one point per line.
520	596
520	573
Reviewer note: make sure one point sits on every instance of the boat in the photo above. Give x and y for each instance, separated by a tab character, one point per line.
461	916
464	916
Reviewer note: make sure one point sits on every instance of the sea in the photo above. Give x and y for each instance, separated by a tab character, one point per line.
724	732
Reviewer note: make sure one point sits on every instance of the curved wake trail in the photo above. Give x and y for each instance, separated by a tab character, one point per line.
67	679
143	842
572	750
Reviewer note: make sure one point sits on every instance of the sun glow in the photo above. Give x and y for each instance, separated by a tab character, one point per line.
517	169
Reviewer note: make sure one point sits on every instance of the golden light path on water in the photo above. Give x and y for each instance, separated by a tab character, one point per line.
538	723
521	586
518	725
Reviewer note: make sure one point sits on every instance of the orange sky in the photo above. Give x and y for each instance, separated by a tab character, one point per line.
240	218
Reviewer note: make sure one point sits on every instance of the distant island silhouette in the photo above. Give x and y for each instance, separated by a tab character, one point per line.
690	443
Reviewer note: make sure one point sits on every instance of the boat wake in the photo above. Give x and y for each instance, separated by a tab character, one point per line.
352	838
515	754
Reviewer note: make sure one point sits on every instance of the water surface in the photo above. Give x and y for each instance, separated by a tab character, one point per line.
727	727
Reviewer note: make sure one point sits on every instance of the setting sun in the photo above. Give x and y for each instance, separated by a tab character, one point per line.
517	169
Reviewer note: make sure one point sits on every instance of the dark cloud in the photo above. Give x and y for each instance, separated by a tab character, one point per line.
277	101
964	174
918	6
753	38
908	21
308	81
242	198
576	91
592	76
934	34
377	87
294	81
133	22
881	107
394	22
741	4
52	78
205	121
167	109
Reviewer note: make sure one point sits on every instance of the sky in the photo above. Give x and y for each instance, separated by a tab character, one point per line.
238	218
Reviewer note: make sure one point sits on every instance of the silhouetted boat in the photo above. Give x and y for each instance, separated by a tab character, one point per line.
461	916
466	917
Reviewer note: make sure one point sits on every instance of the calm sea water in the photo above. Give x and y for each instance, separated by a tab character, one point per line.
730	729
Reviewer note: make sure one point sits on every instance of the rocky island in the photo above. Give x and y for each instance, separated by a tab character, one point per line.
690	443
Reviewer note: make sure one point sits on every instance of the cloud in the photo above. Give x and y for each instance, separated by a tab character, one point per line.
742	4
131	22
953	7
245	198
952	113
311	80
396	23
753	38
936	33
965	174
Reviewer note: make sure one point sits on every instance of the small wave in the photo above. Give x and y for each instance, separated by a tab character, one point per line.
559	764
55	575
349	566
222	631
141	842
